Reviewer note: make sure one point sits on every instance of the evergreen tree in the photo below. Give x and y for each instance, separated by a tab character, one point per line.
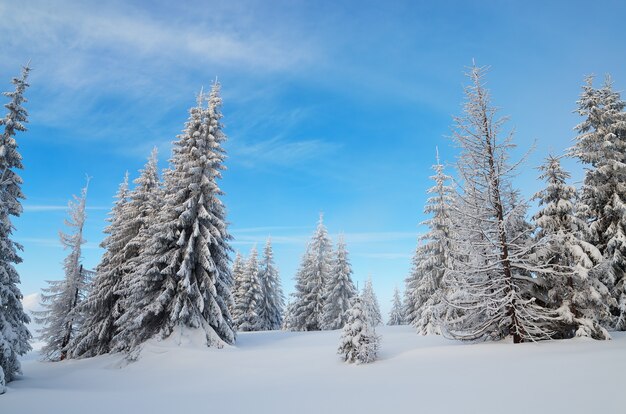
238	274
184	278
488	292
101	307
288	321
144	203
251	293
396	315
370	303
272	299
572	287
359	342
339	289
433	259
311	280
601	144
61	299
412	300
14	334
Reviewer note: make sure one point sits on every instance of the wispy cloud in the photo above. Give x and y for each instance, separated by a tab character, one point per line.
386	256
90	33
282	151
32	302
250	238
37	208
376	237
266	229
51	243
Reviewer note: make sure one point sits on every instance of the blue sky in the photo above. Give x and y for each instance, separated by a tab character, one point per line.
333	106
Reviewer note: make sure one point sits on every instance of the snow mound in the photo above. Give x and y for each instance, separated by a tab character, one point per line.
287	372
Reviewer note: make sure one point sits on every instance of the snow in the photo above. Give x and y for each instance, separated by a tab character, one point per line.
286	372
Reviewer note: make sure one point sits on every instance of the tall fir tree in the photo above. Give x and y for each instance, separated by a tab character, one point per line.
61	318
434	257
572	287
339	289
601	144
396	314
14	334
248	308
101	307
370	302
487	287
184	278
272	299
310	281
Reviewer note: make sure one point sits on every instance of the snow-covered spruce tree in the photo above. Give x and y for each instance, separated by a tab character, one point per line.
61	299
487	287
14	335
359	342
127	233
310	281
370	302
601	144
144	203
411	284
288	323
339	289
238	274
434	254
251	296
184	278
572	287
101	306
396	315
272	299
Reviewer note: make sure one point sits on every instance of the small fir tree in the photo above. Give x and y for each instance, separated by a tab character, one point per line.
238	274
251	296
396	315
272	300
339	289
359	342
370	302
311	279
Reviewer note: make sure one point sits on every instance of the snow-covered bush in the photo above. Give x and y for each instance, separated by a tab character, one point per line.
359	342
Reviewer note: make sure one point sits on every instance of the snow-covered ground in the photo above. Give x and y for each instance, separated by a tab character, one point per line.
299	372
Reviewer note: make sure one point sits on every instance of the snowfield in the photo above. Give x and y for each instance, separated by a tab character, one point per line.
299	372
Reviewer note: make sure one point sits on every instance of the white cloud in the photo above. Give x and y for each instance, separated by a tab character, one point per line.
242	238
35	208
386	256
31	302
281	151
49	242
80	37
